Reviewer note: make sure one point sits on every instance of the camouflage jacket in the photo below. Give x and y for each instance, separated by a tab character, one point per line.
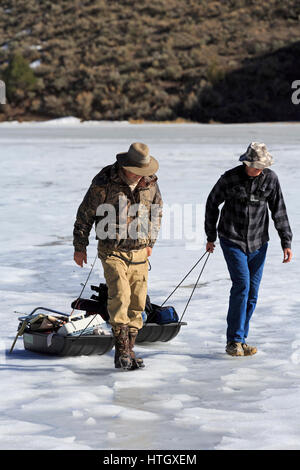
124	219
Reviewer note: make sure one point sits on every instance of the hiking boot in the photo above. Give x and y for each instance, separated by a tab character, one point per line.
249	350
122	350
137	362
234	349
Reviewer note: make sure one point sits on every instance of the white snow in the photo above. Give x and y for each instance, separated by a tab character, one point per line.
35	64
191	395
36	47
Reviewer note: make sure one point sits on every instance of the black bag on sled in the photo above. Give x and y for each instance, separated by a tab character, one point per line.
98	304
160	315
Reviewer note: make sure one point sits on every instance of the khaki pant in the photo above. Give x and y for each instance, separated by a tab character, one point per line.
127	285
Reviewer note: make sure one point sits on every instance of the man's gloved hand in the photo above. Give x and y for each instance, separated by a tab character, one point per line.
80	258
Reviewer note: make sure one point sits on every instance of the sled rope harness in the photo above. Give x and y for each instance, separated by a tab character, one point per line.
195	285
84	285
22	327
188	301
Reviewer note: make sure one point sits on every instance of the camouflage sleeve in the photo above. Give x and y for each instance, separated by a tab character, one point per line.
155	216
86	216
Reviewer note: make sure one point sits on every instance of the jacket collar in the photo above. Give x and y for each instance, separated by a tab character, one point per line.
116	175
245	175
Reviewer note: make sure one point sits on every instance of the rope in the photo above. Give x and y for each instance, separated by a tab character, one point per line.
194	287
81	333
84	285
184	279
94	316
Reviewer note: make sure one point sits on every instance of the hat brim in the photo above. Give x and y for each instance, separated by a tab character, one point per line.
243	157
123	160
256	164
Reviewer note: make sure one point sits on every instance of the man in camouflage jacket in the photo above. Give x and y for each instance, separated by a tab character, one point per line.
125	203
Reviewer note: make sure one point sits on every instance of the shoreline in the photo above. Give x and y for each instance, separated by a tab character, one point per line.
74	121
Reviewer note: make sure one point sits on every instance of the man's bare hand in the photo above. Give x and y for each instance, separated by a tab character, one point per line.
80	258
287	255
149	251
210	246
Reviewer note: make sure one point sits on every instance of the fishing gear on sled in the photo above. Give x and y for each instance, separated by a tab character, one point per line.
41	322
158	314
86	330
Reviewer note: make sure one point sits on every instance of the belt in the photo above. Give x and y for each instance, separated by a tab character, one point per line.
128	261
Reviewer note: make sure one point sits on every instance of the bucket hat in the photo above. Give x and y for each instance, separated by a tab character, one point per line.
138	160
257	156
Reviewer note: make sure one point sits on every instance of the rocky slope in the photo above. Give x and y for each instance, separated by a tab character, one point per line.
227	60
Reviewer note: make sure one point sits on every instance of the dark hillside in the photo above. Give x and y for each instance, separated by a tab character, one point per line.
152	60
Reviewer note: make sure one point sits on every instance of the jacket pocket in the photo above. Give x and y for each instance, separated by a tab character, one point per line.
236	192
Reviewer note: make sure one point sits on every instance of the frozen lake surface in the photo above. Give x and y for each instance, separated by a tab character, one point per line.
191	395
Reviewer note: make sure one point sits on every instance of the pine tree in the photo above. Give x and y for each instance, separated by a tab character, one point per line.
19	77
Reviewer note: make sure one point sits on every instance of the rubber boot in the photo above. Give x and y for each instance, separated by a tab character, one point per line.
122	349
137	362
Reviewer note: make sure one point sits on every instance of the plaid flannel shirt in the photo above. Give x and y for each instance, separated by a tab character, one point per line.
244	217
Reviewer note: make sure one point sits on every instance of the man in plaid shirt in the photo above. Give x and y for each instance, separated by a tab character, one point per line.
247	191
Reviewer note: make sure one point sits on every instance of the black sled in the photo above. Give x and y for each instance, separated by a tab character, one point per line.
160	325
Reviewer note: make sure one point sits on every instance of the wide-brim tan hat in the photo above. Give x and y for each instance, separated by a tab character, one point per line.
138	160
257	156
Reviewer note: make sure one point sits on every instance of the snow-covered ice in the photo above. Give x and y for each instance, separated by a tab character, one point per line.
191	395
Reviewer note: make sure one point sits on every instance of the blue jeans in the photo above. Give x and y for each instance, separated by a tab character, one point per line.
245	271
